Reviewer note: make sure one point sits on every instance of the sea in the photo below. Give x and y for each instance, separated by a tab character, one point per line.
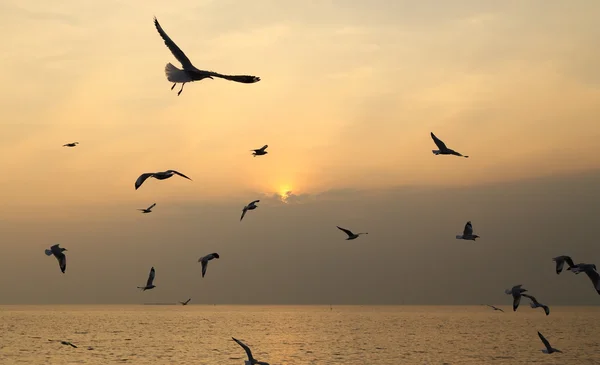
336	334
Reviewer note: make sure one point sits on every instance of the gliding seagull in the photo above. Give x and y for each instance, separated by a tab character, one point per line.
516	293
157	175
60	256
560	262
73	144
186	302
251	360
261	151
149	284
190	73
443	150
467	233
549	349
205	259
64	343
248	207
536	304
351	236
148	210
495	308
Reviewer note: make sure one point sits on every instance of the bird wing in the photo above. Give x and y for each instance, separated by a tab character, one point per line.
516	301
569	261
204	266
559	265
140	180
456	153
246	348
151	277
176	51
531	297
264	147
70	344
348	232
179	173
254	202
187	301
55	249
468	229
62	262
243	213
152	206
546	343
594	277
441	145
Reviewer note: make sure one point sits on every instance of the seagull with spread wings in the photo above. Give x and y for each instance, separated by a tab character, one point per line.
149	283
190	73
60	256
157	175
260	151
205	259
467	233
549	349
536	304
251	360
149	209
351	236
495	308
186	302
72	144
443	150
248	207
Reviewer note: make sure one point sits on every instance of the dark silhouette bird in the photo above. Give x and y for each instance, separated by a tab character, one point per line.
560	262
261	151
190	73
351	236
248	207
251	359
149	283
60	256
467	233
186	302
67	343
149	209
516	291
72	144
549	349
205	259
163	175
495	308
536	304
443	150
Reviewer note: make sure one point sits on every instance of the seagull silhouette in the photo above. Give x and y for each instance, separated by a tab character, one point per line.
351	236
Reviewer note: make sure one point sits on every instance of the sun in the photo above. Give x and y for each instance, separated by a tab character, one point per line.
284	192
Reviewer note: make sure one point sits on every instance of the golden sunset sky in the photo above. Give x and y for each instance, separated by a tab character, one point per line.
349	92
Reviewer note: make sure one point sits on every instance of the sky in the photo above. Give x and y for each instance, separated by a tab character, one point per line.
349	92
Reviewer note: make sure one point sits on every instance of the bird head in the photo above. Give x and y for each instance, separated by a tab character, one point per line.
475	237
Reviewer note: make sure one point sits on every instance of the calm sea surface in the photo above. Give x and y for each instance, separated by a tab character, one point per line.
195	334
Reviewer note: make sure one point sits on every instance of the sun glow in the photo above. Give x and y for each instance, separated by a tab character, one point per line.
284	192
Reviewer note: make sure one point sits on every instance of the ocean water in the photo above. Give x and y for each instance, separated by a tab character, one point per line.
199	334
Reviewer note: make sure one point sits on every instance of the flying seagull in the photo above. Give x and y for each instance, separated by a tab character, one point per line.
190	73
549	349
536	304
157	175
149	284
64	343
186	302
148	210
467	233
72	144
60	256
248	207
351	235
443	150
205	259
516	293
251	360
495	308
560	262
261	151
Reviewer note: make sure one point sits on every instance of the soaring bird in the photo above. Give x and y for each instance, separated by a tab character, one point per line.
67	343
560	262
205	259
251	360
186	302
148	210
536	304
495	308
516	293
261	151
157	175
72	144
443	150
549	349
248	207
60	256
351	235
190	73
149	284
467	233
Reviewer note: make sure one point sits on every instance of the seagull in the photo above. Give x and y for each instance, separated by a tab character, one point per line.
190	73
64	343
549	349
516	293
495	308
157	175
148	210
443	150
467	233
60	256
582	267
261	151
560	262
591	272
351	235
248	207
205	259
186	302
251	360
536	304
149	284
72	144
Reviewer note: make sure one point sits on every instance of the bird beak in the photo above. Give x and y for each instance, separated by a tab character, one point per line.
210	77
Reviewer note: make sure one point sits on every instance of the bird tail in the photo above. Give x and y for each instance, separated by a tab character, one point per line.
459	237
436	152
48	252
176	75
